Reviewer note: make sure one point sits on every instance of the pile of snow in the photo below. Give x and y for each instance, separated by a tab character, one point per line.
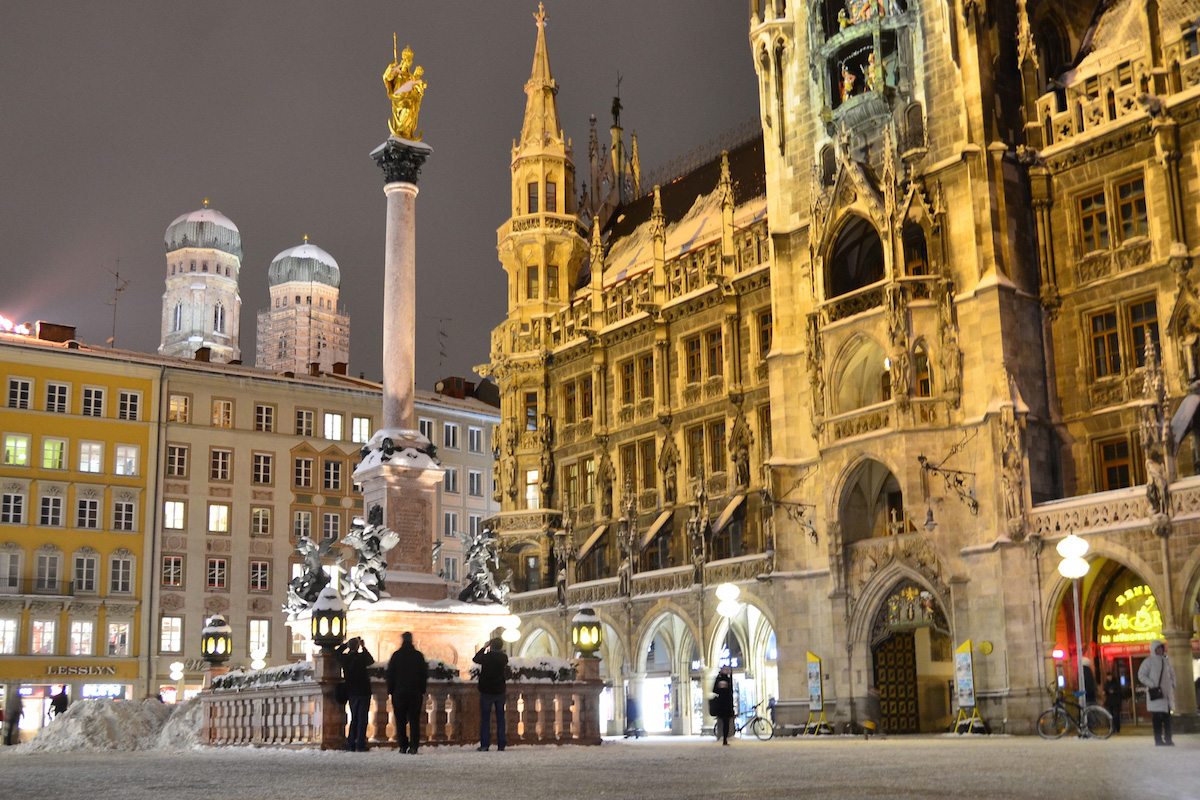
120	725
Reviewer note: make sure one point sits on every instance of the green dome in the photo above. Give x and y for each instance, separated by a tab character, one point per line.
205	228
305	263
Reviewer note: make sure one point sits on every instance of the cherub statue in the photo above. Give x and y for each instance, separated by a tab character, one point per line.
405	88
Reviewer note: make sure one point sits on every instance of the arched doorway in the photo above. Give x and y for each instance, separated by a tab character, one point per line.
659	686
746	643
912	652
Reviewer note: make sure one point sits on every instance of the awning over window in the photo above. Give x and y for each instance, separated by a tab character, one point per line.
656	528
727	513
591	541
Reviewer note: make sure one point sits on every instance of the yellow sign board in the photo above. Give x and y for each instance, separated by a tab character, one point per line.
1131	616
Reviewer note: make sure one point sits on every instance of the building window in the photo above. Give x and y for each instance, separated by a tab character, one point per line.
172	571
568	395
51	513
177	461
551	197
1131	209
585	397
177	316
91	457
570	486
628	454
475	483
532	493
531	411
126	462
693	360
45	577
304	422
57	398
263	471
174	514
120	576
426	428
716	446
475	440
87	513
8	636
118	638
450	482
260	637
1106	353
12	509
450	568
80	638
179	409
531	195
646	376
715	347
218	573
551	282
450	436
260	576
302	524
128	404
333	427
218	518
646	462
1093	223
449	524
18	392
85	574
531	282
93	401
331	525
474	523
218	317
303	472
260	522
222	413
360	429
695	452
1143	327
54	452
264	418
219	464
16	450
170	636
10	571
1116	466
921	374
765	331
124	516
333	475
41	643
589	481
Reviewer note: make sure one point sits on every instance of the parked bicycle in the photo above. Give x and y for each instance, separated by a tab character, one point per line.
758	724
1090	721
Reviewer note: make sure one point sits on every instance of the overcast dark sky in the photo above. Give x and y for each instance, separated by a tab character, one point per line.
116	117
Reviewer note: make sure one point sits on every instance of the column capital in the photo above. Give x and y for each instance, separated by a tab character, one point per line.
401	160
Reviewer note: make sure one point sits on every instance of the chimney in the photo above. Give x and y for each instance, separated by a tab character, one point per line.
53	332
314	368
339	367
203	354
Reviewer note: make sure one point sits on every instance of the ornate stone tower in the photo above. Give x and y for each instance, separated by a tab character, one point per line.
542	248
303	324
201	306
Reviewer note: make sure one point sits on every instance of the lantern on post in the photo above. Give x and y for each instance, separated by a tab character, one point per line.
586	632
328	619
216	640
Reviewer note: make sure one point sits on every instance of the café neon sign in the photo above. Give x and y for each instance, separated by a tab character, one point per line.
1133	616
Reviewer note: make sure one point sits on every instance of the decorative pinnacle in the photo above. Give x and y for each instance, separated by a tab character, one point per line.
206	202
540	16
306	238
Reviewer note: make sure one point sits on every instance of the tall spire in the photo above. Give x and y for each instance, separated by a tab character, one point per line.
541	108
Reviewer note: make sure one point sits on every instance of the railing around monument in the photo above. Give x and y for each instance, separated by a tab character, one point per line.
297	715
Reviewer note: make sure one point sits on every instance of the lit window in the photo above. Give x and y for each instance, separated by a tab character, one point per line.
333	427
54	452
179	409
16	450
8	636
532	492
42	641
170	639
80	636
222	413
360	430
91	456
260	636
118	638
127	459
218	518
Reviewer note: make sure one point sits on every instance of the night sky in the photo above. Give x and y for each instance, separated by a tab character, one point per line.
115	118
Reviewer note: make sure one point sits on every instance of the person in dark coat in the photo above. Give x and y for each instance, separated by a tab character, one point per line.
355	658
59	702
1089	681
723	703
492	662
1114	698
407	673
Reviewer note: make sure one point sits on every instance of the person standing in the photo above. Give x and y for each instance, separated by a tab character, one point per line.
872	713
723	703
13	710
1157	675
1114	699
407	674
1089	681
358	690
59	702
492	662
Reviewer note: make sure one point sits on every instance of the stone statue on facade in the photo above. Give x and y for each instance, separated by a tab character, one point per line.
406	89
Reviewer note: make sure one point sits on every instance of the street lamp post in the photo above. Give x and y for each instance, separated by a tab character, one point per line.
1074	566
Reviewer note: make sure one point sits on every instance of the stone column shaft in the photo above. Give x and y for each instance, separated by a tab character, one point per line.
400	307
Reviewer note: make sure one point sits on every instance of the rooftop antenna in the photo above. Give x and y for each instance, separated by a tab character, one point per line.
442	341
119	287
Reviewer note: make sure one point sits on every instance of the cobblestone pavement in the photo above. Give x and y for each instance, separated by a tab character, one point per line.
833	767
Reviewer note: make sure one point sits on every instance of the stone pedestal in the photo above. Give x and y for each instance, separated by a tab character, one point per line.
448	630
408	497
331	721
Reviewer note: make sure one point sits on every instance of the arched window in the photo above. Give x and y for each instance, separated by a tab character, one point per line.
864	378
219	318
916	253
921	374
177	321
872	504
828	165
856	259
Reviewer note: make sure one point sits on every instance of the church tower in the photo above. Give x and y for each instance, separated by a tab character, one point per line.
201	306
303	325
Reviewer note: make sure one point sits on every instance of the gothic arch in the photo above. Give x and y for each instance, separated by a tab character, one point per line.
859	374
1056	585
678	633
855	258
866	488
876	591
539	641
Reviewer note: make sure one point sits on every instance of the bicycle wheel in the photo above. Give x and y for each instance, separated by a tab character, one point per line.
762	728
1097	722
1053	723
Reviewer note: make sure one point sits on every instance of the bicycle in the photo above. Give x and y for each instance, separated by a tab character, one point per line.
1091	720
760	726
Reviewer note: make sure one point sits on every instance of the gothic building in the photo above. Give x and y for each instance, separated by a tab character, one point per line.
303	326
865	368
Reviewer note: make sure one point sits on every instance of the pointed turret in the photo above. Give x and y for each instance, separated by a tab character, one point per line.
541	106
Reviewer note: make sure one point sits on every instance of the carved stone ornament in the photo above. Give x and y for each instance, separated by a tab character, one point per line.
171	602
401	162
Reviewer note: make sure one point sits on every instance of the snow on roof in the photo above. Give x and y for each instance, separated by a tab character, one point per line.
306	250
1118	36
206	215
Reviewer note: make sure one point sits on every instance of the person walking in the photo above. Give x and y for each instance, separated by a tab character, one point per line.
872	713
355	658
407	674
1157	675
59	703
1114	698
13	710
722	707
492	662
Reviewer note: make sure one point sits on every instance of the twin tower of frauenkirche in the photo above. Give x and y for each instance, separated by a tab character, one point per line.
302	328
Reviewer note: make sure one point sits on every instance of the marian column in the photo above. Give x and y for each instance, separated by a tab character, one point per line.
399	476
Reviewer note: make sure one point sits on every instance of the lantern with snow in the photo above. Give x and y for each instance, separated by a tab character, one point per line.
328	619
216	640
586	632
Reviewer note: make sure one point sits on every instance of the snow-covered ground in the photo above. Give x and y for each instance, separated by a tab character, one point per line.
64	762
